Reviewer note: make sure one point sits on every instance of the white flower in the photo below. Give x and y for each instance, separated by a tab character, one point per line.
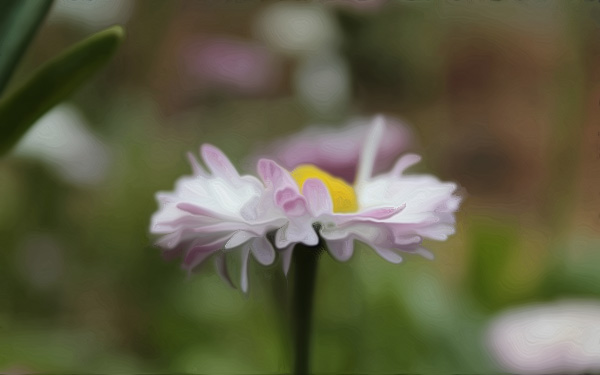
92	14
391	213
62	139
297	28
555	338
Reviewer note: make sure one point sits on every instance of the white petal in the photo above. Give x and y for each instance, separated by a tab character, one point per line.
341	250
199	251
244	278
196	167
317	197
218	163
311	238
239	238
281	240
294	232
165	198
286	258
369	151
387	254
404	163
407	240
424	253
170	240
221	266
263	251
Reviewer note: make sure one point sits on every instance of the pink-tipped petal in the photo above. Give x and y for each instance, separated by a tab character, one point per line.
294	207
218	163
374	214
274	176
286	258
244	278
424	253
296	232
407	240
404	163
170	240
196	167
369	150
219	227
317	197
281	239
200	211
263	251
341	250
286	195
387	254
199	253
239	238
290	200
164	198
221	267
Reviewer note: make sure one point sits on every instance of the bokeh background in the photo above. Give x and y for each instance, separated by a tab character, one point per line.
500	96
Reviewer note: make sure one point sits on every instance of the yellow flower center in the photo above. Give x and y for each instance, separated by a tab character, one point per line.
343	195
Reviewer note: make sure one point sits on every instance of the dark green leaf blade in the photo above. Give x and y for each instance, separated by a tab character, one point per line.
53	82
19	20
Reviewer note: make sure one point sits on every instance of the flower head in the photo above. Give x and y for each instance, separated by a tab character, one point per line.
392	212
556	338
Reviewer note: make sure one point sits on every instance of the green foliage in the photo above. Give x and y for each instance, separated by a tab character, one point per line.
19	20
493	243
572	276
54	82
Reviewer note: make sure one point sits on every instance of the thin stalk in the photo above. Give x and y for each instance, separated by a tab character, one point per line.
305	274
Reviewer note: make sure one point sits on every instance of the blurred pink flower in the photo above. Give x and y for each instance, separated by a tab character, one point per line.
337	150
221	210
230	64
555	338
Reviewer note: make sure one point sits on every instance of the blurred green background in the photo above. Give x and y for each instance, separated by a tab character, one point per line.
502	97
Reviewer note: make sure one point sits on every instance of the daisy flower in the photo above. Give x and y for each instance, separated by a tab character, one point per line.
221	210
392	212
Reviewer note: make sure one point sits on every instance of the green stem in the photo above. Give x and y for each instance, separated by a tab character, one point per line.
305	274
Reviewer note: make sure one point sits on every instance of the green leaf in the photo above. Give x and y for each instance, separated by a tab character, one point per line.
53	82
19	20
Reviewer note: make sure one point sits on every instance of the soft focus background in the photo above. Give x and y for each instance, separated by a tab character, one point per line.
500	96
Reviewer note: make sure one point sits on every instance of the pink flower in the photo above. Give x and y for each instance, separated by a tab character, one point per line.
230	64
337	150
391	212
561	337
